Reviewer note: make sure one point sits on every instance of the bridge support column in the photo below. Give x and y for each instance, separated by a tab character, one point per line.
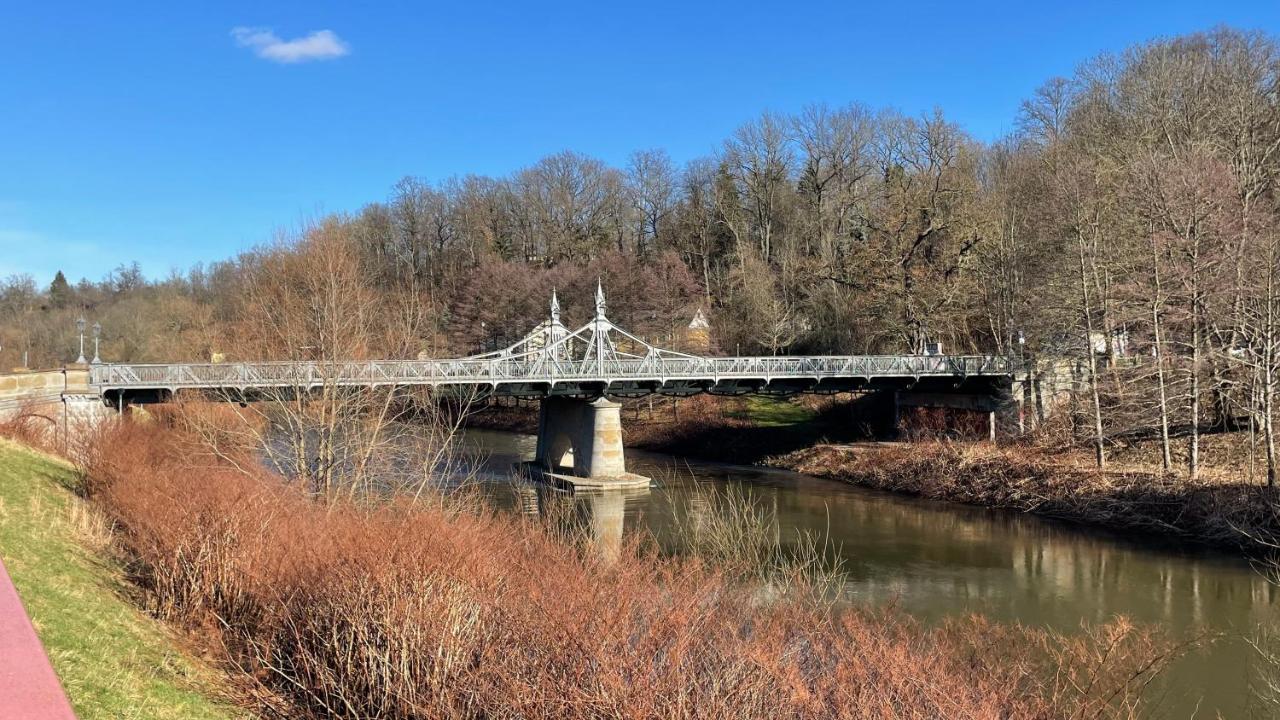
580	443
878	414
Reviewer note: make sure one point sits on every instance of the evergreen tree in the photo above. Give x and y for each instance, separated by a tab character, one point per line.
60	292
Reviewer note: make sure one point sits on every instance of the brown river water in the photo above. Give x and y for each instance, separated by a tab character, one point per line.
936	560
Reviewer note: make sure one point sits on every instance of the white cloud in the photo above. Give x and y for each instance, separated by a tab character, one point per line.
319	45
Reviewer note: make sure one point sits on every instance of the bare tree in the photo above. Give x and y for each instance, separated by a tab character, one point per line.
309	301
759	159
836	167
652	183
923	228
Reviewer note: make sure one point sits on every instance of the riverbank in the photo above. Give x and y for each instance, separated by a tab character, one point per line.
816	437
113	661
425	609
1230	516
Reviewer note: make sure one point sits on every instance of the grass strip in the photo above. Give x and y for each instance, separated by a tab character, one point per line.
113	660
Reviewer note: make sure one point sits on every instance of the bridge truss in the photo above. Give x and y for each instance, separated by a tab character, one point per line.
595	359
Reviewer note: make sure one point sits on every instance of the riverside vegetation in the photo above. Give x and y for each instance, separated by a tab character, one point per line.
113	660
437	608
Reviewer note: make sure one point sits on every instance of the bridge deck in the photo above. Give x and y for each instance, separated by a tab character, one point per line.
550	375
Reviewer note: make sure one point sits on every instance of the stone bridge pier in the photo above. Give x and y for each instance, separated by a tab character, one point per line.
580	444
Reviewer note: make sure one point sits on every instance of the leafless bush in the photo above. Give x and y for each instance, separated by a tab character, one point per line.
401	610
34	427
737	531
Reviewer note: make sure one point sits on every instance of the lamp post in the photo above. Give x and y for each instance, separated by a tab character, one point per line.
80	328
97	333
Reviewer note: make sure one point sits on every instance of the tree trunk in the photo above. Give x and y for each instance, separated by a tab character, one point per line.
1099	450
1193	439
1269	371
1166	455
1268	422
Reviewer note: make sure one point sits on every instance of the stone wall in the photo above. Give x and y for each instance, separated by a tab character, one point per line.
24	389
59	400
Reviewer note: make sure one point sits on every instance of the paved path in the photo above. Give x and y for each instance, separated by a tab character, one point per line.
29	689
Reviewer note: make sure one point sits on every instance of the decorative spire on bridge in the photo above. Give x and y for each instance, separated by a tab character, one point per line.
601	347
595	345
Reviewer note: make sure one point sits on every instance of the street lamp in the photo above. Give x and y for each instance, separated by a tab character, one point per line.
80	328
97	333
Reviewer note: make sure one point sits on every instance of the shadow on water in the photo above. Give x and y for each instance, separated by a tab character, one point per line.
937	560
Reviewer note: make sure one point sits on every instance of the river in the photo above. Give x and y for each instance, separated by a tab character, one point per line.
936	560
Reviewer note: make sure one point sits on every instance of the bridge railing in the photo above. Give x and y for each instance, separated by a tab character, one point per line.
538	369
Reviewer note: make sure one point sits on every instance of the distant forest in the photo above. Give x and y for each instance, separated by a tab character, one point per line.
1129	228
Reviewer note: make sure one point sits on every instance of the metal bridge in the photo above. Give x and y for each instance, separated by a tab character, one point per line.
596	359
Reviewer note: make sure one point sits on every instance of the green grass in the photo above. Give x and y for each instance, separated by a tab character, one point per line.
773	412
113	660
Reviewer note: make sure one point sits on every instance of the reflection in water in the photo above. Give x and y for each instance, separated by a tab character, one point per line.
600	514
937	560
606	511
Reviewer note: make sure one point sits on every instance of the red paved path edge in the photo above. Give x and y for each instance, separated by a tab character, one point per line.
28	686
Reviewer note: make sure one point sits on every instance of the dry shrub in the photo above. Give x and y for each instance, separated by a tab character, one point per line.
406	610
212	432
1101	672
34	427
930	423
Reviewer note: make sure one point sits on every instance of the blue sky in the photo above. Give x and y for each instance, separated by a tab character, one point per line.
174	133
